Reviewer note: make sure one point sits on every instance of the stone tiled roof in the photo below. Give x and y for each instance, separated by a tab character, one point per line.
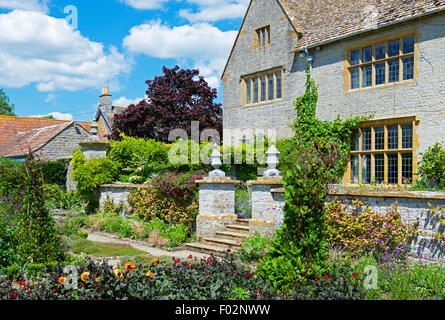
33	140
10	126
319	21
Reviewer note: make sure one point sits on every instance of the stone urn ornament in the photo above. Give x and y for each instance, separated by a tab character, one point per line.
216	163
272	162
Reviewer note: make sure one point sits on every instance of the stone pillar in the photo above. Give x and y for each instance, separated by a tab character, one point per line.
267	205
216	200
93	147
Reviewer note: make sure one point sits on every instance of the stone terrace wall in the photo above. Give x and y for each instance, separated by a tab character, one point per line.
117	192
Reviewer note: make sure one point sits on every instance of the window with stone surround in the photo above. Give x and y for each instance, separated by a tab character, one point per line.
262	87
262	36
381	63
383	152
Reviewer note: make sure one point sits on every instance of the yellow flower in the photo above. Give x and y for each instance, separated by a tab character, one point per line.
85	276
149	274
62	280
117	273
129	266
155	262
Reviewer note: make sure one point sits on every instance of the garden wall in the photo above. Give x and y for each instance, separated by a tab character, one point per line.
414	206
117	192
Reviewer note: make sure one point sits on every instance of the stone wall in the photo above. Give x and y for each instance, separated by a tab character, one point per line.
117	192
414	206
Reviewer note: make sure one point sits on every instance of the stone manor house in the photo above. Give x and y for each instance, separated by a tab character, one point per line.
380	57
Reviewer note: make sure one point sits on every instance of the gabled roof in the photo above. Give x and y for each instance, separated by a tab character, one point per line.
31	140
321	21
327	20
10	126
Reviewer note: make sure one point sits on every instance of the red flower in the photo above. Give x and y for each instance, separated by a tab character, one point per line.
209	260
55	290
177	261
316	279
13	296
22	283
190	257
249	275
355	275
326	278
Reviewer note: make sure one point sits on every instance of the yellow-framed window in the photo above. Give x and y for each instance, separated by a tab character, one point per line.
382	63
263	87
383	152
263	36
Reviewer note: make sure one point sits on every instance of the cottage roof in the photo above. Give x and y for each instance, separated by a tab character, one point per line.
325	20
10	126
33	140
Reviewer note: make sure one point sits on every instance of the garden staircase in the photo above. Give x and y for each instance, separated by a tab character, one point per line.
231	238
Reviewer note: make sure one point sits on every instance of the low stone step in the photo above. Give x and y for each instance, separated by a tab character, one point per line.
238	228
206	248
231	235
243	222
225	243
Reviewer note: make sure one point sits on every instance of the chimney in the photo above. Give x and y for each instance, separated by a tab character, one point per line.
105	100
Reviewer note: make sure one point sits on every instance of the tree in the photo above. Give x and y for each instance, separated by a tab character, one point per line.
5	106
173	101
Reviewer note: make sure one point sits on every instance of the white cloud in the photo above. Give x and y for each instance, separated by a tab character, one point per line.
33	5
51	97
56	115
125	102
36	48
206	46
215	10
144	4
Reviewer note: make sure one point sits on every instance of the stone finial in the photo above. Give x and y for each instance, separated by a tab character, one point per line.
94	128
216	163
272	162
105	91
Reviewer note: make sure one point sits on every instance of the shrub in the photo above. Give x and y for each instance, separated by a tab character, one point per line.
54	172
91	174
189	279
57	198
35	236
432	167
243	208
255	247
366	231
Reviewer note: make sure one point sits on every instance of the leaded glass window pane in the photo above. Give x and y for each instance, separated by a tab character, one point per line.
279	85
394	48
408	68
355	140
366	139
355	57
407	168
366	168
367	76
393	137
408	45
379	168
380	73
271	86
380	51
367	54
248	91
355	78
393	69
407	136
379	138
393	168
354	169
263	88
255	90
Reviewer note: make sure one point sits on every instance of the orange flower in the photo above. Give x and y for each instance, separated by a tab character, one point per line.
117	273
129	266
155	262
98	279
149	274
62	280
85	276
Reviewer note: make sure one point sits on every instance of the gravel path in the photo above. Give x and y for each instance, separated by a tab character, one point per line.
101	237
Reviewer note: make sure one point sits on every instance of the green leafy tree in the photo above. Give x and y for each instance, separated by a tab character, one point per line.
5	107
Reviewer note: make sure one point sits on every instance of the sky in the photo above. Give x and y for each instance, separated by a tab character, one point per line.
56	55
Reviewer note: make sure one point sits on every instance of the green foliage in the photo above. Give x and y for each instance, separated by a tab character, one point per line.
313	158
35	237
9	163
54	172
188	279
432	167
5	106
57	198
243	208
138	157
255	247
365	231
89	175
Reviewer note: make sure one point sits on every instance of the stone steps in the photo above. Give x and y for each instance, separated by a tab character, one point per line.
229	239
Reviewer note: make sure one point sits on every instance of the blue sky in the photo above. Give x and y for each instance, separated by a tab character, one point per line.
47	66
